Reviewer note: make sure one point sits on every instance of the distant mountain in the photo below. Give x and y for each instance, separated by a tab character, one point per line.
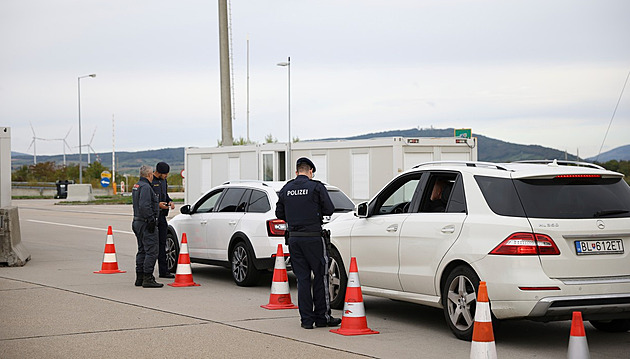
620	154
490	149
14	154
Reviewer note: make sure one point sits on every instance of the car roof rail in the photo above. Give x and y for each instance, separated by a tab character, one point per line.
245	181
464	163
556	162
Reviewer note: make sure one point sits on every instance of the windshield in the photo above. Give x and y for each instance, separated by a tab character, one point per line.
341	202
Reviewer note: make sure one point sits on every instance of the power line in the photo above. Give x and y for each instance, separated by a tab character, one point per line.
613	116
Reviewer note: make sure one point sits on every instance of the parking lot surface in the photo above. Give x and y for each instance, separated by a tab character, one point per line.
56	307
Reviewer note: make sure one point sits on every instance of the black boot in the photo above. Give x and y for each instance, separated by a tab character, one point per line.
149	281
139	279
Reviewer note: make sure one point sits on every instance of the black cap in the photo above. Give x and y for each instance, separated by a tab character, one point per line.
307	161
162	167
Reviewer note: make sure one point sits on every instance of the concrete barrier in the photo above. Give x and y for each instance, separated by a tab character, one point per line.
12	251
80	193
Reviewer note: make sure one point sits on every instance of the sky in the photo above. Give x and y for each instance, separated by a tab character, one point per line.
544	72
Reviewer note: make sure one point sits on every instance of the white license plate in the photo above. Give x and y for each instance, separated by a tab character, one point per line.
608	246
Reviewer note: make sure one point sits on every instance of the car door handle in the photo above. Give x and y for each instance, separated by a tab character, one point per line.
204	221
392	228
448	229
232	223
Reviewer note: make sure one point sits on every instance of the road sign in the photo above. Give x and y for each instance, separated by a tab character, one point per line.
104	181
463	133
106	174
183	173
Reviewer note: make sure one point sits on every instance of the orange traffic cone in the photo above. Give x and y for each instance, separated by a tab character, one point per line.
578	347
353	321
280	297
483	337
183	274
110	264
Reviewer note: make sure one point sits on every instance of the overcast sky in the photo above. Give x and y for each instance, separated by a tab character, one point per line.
544	72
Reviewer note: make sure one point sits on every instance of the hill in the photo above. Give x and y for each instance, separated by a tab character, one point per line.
620	154
490	149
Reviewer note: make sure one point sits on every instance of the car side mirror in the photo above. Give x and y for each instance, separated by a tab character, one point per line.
185	209
362	210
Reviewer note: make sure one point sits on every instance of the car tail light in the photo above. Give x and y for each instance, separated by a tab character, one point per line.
276	228
524	243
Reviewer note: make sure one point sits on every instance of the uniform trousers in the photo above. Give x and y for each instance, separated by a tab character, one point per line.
308	254
147	247
162	227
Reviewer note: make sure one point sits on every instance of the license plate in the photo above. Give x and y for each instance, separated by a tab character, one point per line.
608	246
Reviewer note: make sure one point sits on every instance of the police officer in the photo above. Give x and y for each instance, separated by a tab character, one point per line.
160	187
145	212
302	203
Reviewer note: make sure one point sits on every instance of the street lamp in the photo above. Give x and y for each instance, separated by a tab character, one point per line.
80	161
288	164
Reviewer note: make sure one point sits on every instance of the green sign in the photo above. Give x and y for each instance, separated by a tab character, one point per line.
463	133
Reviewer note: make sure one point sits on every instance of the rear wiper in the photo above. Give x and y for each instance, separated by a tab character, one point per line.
610	212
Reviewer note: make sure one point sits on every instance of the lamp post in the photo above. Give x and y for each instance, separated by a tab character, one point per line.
80	161
288	164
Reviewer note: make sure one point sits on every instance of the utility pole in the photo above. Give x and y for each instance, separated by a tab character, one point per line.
226	97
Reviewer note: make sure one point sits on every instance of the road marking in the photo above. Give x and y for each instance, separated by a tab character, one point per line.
75	226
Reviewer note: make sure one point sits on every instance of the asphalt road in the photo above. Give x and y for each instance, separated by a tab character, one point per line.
56	307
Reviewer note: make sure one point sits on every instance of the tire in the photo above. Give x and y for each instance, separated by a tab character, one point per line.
612	326
172	252
243	271
337	280
459	301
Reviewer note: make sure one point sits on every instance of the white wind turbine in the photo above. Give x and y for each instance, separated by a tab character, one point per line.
34	144
90	148
64	145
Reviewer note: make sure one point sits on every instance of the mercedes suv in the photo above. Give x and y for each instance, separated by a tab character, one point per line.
548	237
234	225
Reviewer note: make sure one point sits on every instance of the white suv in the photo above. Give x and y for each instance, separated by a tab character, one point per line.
548	237
234	225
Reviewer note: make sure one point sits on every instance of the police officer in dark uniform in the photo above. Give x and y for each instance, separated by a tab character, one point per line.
302	203
145	212
160	187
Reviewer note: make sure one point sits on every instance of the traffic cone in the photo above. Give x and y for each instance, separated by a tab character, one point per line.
578	347
280	297
183	274
353	321
483	338
110	264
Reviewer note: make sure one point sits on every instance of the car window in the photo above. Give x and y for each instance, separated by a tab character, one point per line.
341	202
501	196
438	192
573	198
258	202
207	204
457	200
242	205
397	196
231	200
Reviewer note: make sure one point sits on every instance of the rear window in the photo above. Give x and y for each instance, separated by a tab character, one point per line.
575	197
341	202
561	198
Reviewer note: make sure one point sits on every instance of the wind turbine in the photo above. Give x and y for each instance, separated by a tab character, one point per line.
90	148
34	144
64	145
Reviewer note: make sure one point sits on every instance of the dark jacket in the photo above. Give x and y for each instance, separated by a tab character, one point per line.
160	187
302	203
145	201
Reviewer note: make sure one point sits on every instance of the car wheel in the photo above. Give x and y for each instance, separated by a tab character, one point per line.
243	270
612	326
172	252
337	280
459	301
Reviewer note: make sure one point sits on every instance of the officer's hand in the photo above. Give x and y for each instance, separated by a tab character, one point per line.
172	205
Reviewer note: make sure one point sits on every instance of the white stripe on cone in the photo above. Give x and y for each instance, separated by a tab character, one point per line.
183	269
578	348
486	350
353	310
483	312
353	280
110	239
279	287
109	257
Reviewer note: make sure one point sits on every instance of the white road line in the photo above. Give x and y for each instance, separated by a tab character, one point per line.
75	226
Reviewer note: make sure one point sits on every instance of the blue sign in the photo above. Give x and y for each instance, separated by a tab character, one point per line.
104	181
